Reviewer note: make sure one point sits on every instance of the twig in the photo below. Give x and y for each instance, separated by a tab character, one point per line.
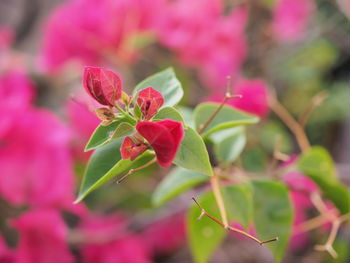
291	123
203	212
328	246
315	102
228	95
131	171
214	180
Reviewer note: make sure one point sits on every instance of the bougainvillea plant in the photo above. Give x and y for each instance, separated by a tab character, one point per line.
204	146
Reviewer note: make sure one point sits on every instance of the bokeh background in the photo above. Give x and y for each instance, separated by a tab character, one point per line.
297	49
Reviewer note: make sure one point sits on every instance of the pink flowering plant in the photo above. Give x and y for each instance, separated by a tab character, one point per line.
147	127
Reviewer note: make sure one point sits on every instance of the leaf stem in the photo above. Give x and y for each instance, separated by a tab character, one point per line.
203	212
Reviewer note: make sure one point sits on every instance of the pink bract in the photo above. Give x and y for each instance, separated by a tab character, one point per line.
149	101
35	161
42	238
164	136
103	85
107	241
95	31
130	149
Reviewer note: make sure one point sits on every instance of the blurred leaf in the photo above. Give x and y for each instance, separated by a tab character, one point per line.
168	113
103	134
254	159
176	182
239	204
270	132
166	83
204	235
273	215
229	144
228	117
319	166
193	154
105	164
335	107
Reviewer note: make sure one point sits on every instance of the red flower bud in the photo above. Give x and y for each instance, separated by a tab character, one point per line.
131	149
103	85
165	138
149	101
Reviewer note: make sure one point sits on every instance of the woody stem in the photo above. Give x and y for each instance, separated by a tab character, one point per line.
233	229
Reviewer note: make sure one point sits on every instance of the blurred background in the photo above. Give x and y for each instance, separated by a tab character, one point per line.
298	49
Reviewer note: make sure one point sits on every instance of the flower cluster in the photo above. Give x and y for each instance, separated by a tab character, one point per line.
163	136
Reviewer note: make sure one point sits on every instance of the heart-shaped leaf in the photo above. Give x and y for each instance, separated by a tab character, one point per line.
166	83
193	154
104	134
168	113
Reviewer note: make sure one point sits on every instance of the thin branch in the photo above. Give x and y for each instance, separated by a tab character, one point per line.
328	246
228	95
203	212
131	171
215	184
315	102
291	123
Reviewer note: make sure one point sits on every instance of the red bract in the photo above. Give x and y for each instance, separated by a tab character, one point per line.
149	101
103	85
165	138
131	149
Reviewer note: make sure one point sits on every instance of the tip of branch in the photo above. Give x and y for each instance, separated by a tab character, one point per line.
270	240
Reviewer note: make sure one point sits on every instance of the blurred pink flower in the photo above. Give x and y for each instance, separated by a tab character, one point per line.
42	238
6	254
35	162
6	37
82	122
301	188
107	241
16	90
166	235
344	6
254	97
291	18
205	39
94	30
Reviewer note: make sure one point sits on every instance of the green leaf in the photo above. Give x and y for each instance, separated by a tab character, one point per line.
176	182
187	114
168	113
103	134
229	144
319	166
137	111
166	83
122	130
273	215
193	154
239	204
105	164
205	235
228	117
